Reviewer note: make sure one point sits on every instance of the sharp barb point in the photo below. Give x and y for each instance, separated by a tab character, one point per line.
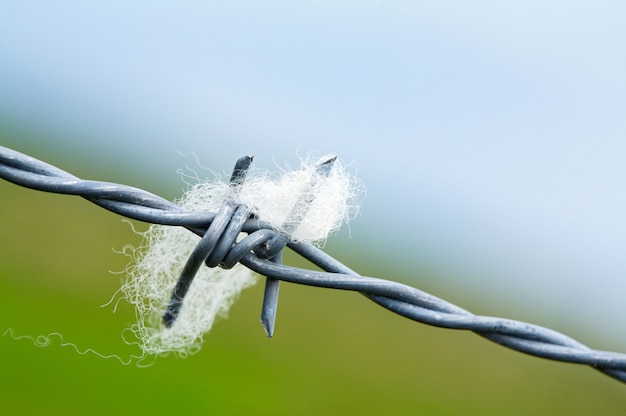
325	165
270	300
241	170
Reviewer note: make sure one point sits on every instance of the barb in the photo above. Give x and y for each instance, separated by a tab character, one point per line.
273	248
218	238
402	299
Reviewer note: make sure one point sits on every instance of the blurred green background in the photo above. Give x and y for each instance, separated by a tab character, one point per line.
489	136
333	353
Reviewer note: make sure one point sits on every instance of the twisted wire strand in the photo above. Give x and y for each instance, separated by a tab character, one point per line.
404	300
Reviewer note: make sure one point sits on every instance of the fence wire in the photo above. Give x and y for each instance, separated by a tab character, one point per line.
404	300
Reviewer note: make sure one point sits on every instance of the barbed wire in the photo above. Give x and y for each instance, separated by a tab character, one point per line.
260	251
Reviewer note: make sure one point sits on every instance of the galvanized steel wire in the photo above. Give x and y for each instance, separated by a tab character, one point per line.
404	300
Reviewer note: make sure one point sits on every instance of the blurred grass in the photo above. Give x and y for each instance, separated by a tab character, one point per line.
333	353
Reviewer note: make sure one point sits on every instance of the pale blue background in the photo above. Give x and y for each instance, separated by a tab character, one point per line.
491	135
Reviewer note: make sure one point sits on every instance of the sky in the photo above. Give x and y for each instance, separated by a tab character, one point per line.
490	135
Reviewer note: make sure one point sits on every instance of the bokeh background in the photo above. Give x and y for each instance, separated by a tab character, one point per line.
490	137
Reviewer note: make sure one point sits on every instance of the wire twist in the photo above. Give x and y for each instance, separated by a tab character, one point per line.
404	300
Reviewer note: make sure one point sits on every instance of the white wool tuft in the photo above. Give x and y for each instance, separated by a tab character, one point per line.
334	199
160	259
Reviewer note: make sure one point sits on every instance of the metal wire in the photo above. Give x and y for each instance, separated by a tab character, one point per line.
404	300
